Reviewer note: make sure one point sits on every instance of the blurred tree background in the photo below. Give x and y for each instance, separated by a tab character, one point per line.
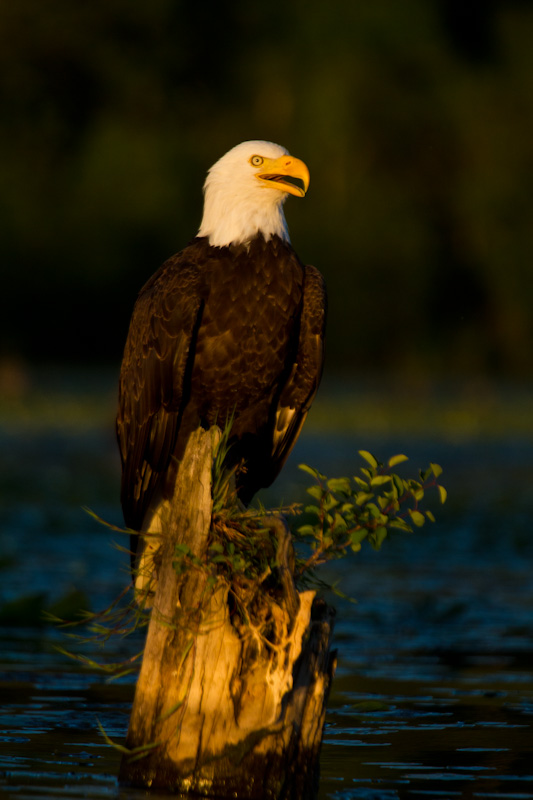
415	118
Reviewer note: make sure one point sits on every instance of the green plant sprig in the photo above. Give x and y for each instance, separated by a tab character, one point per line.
346	511
242	550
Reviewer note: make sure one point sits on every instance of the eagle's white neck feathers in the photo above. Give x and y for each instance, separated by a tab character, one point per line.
236	206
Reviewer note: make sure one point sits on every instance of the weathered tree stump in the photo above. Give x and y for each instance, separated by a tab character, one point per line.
231	707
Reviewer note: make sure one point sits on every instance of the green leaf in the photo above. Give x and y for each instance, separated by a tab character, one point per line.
399	459
375	512
330	501
340	485
399	484
356	537
363	497
316	491
339	525
380	480
416	490
306	530
310	471
437	469
417	518
442	493
401	524
430	516
368	458
378	537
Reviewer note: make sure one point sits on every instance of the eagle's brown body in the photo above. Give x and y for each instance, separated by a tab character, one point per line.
218	332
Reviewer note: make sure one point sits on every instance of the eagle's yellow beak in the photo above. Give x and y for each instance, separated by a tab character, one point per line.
286	173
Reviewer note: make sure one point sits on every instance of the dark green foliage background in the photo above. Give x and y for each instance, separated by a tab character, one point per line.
415	118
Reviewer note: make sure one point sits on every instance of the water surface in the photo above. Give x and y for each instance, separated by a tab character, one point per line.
433	695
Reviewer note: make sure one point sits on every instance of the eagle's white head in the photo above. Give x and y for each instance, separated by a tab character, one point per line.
245	191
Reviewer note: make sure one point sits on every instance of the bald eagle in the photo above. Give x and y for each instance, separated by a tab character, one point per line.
232	327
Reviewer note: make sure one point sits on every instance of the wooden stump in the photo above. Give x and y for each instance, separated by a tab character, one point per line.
225	707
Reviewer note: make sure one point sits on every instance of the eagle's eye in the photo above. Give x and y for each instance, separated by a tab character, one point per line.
256	161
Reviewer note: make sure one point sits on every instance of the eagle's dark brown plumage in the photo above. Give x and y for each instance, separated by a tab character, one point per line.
219	332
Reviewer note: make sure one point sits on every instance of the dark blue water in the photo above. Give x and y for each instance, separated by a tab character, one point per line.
433	695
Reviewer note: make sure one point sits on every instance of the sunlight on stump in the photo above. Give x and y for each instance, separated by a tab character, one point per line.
220	709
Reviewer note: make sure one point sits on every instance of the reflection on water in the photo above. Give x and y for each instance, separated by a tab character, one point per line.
433	695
